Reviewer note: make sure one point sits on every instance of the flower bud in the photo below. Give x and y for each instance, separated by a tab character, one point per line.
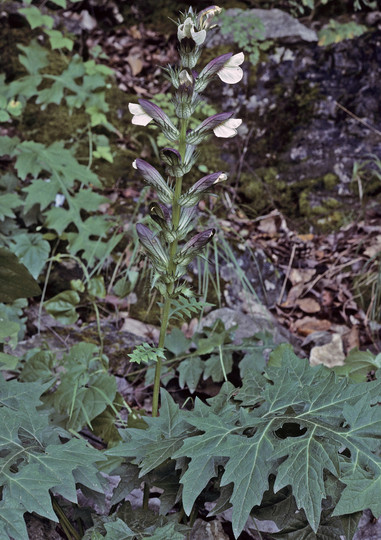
174	164
153	247
194	193
194	247
154	179
185	101
162	216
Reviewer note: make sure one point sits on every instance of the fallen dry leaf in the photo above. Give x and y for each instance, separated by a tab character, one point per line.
329	355
301	275
374	248
352	339
268	225
308	305
135	63
307	325
293	296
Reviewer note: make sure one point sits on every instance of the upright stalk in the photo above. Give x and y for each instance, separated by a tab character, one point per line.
172	269
169	261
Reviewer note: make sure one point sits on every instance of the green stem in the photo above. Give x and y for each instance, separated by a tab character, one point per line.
67	527
176	209
163	330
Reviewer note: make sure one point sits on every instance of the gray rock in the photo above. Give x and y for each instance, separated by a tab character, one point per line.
278	25
259	320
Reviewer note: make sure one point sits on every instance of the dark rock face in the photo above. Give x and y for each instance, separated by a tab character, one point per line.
309	111
345	74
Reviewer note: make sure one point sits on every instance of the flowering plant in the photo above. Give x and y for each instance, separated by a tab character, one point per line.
175	213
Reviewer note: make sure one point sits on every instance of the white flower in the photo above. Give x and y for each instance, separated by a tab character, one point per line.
140	117
228	128
231	73
187	30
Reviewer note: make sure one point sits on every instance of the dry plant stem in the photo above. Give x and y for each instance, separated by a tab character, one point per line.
172	270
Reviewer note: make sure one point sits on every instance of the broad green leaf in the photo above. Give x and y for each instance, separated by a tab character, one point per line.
213	366
129	480
176	342
8	145
35	17
88	200
118	529
358	364
86	400
152	447
86	389
41	192
8	330
12	524
58	40
102	152
190	371
60	3
8	201
96	287
104	426
7	361
305	420
32	158
38	366
4	116
59	219
15	280
33	460
35	57
62	306
32	250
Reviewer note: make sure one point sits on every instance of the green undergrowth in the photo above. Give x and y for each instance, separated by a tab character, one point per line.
285	442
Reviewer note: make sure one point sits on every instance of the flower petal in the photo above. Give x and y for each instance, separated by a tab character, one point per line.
230	75
236	60
227	129
198	37
140	117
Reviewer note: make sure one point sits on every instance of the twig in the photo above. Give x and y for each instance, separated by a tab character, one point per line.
287	273
372	128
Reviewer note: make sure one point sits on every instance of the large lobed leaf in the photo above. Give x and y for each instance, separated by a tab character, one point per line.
300	427
33	460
